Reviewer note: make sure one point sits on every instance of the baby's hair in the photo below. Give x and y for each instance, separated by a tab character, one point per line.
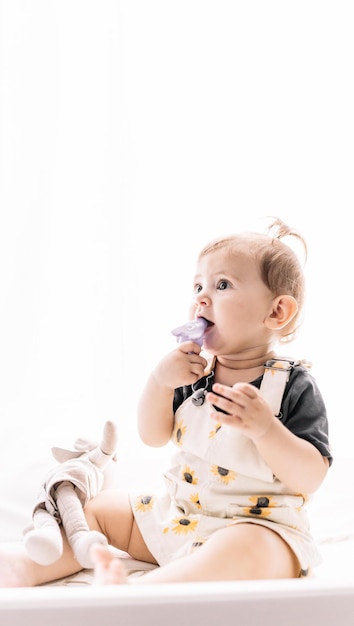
279	266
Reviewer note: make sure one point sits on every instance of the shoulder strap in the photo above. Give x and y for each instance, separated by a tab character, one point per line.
276	375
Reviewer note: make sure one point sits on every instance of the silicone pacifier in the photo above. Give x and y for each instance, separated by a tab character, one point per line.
191	331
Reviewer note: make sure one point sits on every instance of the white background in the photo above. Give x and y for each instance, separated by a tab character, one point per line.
132	133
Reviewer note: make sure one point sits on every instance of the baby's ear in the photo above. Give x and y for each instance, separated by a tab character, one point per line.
284	309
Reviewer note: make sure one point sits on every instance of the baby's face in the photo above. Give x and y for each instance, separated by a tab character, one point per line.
231	296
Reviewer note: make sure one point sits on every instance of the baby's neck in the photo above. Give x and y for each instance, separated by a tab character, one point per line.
229	371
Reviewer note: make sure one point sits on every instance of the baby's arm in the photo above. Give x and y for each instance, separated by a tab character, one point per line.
182	366
295	461
155	415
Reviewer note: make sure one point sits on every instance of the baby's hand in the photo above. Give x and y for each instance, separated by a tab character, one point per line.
244	406
182	366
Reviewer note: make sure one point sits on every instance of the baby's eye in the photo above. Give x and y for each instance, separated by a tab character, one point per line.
197	288
223	284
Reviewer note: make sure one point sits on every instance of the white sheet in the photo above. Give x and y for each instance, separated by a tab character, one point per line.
291	603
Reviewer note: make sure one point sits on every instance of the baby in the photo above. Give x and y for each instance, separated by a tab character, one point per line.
234	504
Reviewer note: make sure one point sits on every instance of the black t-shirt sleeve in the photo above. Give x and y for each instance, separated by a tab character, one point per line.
303	410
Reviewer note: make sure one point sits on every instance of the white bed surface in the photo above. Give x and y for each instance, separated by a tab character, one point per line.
290	603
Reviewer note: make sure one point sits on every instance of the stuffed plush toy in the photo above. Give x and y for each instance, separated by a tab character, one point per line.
65	491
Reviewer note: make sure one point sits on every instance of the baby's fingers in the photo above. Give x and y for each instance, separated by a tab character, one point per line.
232	399
226	405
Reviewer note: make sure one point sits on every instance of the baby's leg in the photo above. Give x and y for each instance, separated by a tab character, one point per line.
18	570
110	512
238	552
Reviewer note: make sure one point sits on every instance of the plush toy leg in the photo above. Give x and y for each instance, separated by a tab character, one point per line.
78	534
43	542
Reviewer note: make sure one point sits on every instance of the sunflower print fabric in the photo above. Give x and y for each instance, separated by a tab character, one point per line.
217	478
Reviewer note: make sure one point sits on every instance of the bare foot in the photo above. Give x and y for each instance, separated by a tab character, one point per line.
108	569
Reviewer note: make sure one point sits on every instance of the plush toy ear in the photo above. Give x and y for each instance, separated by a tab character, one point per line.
61	455
81	447
85	445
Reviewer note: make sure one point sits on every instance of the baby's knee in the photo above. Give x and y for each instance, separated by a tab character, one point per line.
251	551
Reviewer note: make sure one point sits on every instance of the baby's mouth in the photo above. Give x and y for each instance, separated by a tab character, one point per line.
209	324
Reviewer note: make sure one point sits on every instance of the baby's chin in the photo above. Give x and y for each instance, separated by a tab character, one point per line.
208	346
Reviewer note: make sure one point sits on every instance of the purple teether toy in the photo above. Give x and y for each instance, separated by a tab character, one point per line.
191	331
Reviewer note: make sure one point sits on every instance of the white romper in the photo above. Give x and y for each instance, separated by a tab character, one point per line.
218	478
